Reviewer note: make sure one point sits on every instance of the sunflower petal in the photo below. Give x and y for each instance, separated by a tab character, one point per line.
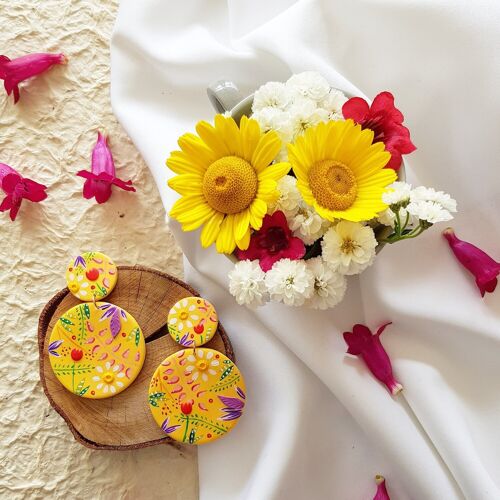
195	217
180	163
197	150
258	209
250	135
275	172
211	229
244	243
230	134
187	184
225	242
267	191
212	138
266	151
186	203
241	224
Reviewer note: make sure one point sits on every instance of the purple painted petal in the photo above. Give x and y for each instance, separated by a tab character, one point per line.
55	344
115	324
123	313
104	306
240	393
185	342
166	428
232	403
110	312
231	415
80	261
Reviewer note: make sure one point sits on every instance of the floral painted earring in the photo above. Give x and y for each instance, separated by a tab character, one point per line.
196	395
96	349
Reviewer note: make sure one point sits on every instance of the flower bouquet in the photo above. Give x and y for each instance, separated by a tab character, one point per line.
302	192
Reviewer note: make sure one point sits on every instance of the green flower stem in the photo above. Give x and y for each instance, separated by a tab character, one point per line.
186	430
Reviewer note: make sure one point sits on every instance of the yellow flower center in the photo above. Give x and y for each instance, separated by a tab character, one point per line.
183	315
108	377
348	246
230	185
74	287
333	184
201	364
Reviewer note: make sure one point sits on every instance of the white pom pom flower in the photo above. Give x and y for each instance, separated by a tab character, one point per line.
429	211
398	193
304	114
422	193
289	199
307	224
329	286
309	84
272	94
290	282
333	103
247	284
349	247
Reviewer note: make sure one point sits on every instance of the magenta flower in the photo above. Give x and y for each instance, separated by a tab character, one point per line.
362	343
103	173
16	189
381	493
479	263
15	71
272	242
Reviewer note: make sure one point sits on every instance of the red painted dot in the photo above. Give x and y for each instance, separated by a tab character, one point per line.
124	334
93	393
165	377
74	337
217	356
210	400
92	287
92	274
70	269
209	436
192	336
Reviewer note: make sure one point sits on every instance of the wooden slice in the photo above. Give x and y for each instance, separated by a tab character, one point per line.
123	421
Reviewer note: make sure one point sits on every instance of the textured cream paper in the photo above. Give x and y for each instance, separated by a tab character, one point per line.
49	136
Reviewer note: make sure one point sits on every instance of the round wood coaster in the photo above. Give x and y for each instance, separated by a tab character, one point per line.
123	421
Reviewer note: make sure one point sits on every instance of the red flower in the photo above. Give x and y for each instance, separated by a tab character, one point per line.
386	121
362	343
17	188
187	407
103	173
381	493
15	71
273	242
76	354
479	263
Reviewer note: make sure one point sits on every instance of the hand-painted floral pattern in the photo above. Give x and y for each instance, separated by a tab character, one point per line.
96	350
192	321
197	395
91	275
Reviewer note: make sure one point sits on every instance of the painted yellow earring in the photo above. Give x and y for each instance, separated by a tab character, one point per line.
196	395
96	349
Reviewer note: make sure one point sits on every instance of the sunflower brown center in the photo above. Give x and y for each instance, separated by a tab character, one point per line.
333	184
230	184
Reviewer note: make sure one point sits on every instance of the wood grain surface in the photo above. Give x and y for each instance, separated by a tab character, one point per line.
123	421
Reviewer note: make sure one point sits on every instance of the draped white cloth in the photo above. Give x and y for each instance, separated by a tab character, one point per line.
317	424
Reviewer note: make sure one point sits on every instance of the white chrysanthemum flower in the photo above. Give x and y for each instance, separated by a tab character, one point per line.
290	282
271	94
349	247
397	193
388	218
429	211
290	198
333	103
422	193
329	286
246	283
307	224
309	84
305	114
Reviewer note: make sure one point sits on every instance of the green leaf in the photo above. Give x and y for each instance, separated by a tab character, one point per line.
66	321
155	397
86	310
191	436
137	336
226	372
83	391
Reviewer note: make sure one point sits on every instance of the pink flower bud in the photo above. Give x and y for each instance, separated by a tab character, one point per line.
103	173
479	263
17	188
15	71
381	493
362	343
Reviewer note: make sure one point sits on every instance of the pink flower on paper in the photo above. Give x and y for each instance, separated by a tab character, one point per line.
103	173
15	71
479	263
386	121
16	189
274	241
368	347
381	493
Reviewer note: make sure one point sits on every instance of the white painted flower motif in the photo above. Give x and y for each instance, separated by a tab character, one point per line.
290	282
202	365
183	316
329	286
108	378
309	84
349	247
273	95
77	285
246	283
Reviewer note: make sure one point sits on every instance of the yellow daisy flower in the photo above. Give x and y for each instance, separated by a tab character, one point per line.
226	180
340	172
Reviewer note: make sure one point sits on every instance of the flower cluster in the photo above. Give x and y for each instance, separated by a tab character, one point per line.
303	192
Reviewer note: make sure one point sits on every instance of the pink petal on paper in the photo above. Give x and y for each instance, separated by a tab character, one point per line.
381	493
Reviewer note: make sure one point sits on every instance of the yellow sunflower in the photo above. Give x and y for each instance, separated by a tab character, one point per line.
340	172
226	180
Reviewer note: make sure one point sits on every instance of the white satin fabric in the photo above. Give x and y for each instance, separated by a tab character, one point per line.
317	424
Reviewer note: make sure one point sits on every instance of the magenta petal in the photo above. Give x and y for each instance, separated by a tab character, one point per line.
10	182
33	191
478	263
296	249
6	203
381	493
102	191
5	170
356	108
125	185
102	159
267	261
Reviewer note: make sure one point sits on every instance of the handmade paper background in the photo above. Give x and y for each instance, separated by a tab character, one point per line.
49	136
